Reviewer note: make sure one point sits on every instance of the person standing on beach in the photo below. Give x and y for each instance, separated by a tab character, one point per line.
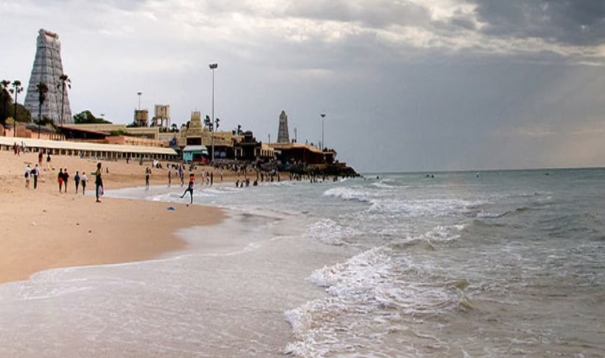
83	180
169	177
48	164
77	180
35	173
190	187
147	170
40	157
98	182
65	178
28	172
60	179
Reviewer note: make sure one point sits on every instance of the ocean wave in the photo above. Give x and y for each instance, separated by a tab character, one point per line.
331	233
420	208
349	194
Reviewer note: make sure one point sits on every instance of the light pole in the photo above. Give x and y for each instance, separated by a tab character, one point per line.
139	93
323	144
213	66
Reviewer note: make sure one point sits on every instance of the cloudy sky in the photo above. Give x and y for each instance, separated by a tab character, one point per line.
407	85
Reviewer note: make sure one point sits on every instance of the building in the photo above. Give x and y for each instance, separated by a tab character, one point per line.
283	135
161	118
48	68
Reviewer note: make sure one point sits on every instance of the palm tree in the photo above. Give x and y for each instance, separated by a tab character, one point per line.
4	97
65	82
17	88
42	90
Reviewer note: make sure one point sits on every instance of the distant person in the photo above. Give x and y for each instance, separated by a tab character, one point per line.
60	179
77	180
65	178
147	170
28	172
83	180
48	160
190	187
35	173
40	157
211	178
169	177
98	182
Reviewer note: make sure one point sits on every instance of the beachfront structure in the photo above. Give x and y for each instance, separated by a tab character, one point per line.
94	150
283	135
299	153
141	117
194	153
161	116
48	68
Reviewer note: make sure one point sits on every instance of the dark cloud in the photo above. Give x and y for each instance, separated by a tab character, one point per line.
378	14
572	22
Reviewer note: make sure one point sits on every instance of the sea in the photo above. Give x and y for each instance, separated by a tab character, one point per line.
446	264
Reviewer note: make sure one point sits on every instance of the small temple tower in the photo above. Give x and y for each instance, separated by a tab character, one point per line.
283	135
48	68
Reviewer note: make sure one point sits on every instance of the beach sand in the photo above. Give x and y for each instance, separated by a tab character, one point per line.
42	229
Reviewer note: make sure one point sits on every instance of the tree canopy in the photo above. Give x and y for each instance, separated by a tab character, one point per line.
87	117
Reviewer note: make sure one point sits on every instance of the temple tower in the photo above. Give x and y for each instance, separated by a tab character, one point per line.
47	68
283	135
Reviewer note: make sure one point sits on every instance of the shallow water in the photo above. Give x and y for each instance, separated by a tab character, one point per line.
489	265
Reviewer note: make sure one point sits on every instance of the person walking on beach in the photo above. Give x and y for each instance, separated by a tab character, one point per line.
28	172
83	180
65	178
190	187
77	180
35	172
40	157
98	182
60	179
147	170
48	164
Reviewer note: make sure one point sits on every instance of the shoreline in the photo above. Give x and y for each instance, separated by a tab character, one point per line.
42	229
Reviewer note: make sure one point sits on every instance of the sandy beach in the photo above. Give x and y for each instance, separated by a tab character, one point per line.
43	229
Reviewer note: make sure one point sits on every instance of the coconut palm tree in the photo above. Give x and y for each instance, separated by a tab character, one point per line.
42	90
65	82
17	88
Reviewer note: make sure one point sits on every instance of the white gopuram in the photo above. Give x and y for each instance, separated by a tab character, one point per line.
48	68
283	135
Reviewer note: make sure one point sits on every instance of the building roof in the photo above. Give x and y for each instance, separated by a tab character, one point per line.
195	148
69	145
290	146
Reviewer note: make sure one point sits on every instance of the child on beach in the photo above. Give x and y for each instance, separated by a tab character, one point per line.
190	187
83	180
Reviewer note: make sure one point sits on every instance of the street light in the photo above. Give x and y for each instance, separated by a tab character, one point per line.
323	144
213	66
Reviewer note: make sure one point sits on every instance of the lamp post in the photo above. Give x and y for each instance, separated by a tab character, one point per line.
323	144
17	88
139	94
213	66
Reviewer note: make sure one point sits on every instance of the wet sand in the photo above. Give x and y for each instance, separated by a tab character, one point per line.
43	229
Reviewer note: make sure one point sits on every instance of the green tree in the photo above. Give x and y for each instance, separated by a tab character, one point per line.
42	89
86	117
5	98
65	83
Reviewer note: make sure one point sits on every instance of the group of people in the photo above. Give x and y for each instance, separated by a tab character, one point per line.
63	179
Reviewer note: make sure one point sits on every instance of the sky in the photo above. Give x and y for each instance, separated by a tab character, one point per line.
406	85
